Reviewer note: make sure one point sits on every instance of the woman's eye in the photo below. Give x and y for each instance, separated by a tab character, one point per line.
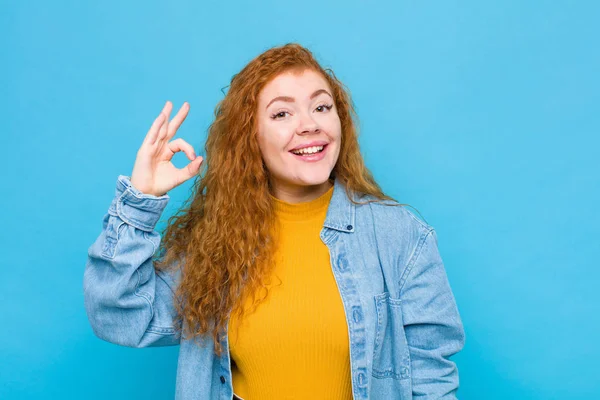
279	114
327	106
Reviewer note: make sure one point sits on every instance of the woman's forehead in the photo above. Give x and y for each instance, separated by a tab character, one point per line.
293	83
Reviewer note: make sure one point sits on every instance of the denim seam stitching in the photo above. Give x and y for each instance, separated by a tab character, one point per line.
157	329
381	302
423	224
416	254
140	195
132	221
377	243
377	343
141	294
163	330
146	295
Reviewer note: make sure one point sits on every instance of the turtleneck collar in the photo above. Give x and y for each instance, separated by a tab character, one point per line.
307	210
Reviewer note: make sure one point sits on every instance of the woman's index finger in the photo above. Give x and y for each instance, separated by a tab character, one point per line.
153	132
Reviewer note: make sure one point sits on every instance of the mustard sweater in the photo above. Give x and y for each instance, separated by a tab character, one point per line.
295	345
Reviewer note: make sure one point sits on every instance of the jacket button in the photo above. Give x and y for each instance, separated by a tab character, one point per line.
349	227
222	379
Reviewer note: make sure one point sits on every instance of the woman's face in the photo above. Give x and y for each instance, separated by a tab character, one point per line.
297	111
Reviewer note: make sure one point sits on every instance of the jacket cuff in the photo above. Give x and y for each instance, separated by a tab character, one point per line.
136	208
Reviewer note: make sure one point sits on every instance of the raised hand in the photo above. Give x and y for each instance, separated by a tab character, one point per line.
153	172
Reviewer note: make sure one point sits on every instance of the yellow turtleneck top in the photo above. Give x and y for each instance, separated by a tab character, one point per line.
295	344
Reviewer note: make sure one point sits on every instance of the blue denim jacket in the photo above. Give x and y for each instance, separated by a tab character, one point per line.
403	322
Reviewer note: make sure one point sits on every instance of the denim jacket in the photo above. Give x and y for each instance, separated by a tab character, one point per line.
403	321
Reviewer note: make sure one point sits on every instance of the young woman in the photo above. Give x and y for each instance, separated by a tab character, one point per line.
288	273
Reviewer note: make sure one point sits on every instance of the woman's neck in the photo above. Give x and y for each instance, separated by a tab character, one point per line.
300	193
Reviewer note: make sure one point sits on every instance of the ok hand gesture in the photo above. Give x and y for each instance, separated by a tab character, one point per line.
153	172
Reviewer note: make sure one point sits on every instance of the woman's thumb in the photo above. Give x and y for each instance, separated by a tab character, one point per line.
191	169
195	164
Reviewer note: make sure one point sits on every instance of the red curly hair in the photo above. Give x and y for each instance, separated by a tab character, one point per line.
223	238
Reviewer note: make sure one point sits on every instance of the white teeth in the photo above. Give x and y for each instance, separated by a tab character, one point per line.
309	150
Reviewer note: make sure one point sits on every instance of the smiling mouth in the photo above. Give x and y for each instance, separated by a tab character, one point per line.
313	150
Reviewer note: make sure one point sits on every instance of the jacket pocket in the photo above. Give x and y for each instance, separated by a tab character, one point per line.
391	357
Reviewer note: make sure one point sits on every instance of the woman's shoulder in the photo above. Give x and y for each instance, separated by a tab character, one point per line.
397	230
390	216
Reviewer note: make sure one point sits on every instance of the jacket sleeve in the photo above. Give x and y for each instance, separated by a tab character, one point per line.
433	327
127	302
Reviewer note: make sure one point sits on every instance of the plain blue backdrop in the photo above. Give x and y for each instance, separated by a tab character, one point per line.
483	116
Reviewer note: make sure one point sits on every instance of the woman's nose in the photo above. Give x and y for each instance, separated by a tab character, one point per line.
307	124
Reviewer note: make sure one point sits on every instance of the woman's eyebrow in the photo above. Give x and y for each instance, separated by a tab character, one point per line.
291	99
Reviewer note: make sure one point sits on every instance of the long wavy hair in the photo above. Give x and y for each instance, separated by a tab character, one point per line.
222	240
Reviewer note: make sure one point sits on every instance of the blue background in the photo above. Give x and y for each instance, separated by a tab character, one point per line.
485	117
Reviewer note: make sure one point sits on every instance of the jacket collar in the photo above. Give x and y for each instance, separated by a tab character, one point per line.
341	211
